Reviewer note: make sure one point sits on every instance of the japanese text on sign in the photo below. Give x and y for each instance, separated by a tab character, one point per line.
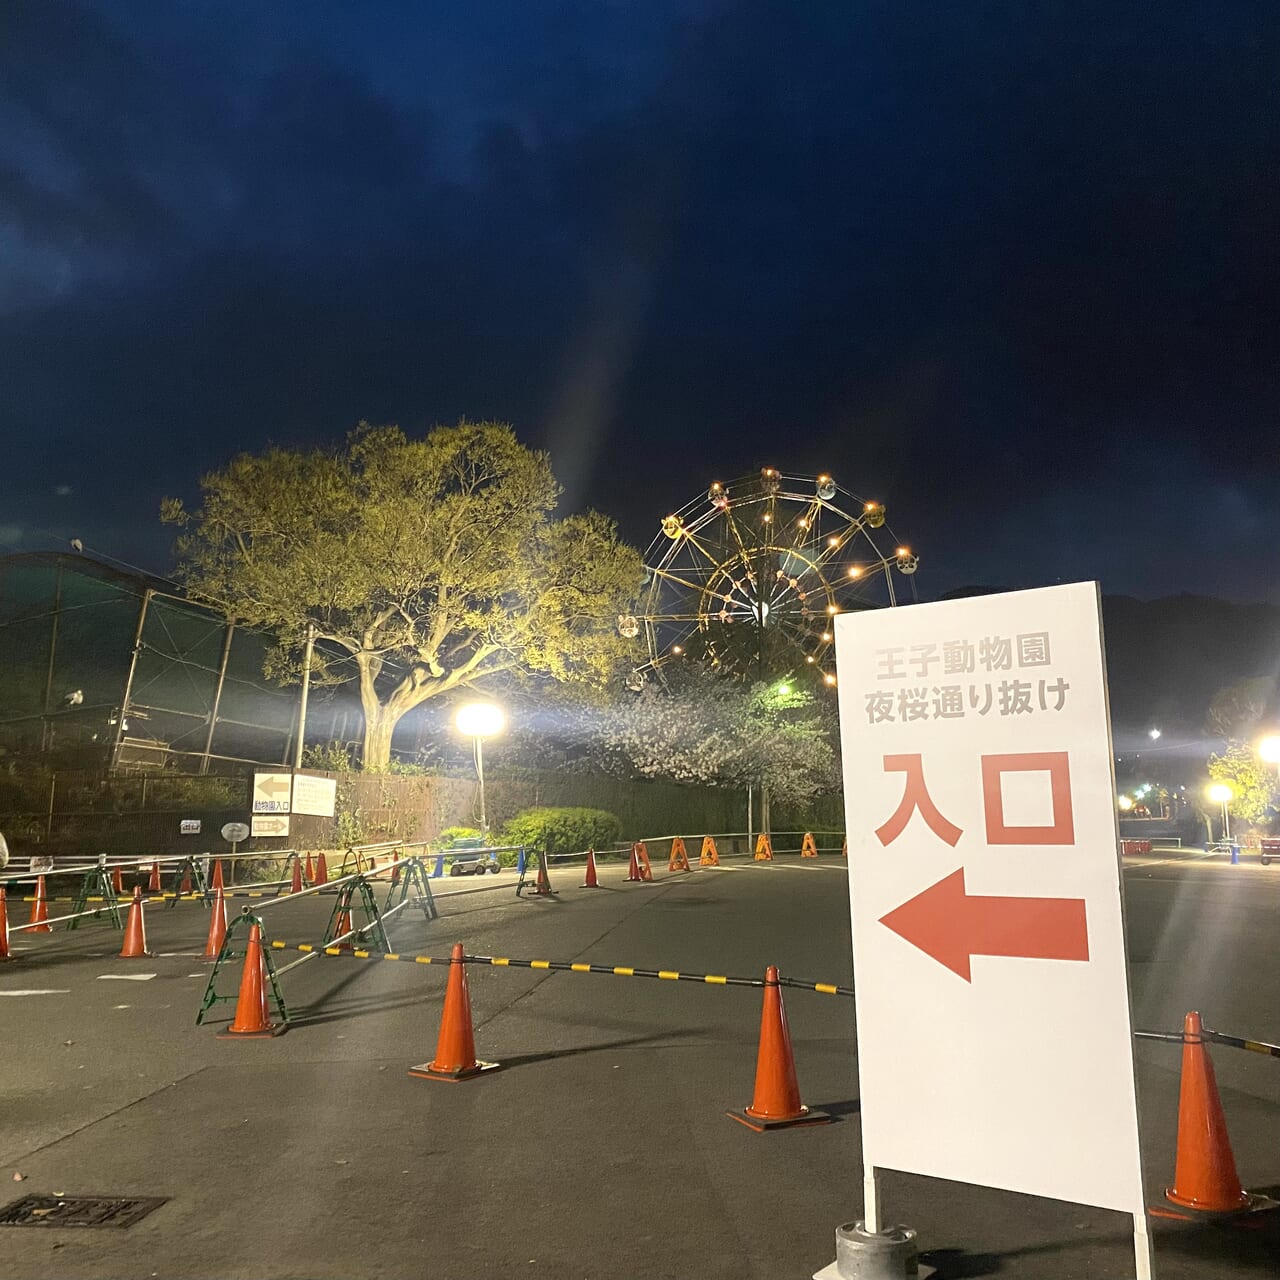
957	700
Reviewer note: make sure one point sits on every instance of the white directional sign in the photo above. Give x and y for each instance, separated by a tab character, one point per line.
994	1027
315	796
270	824
272	792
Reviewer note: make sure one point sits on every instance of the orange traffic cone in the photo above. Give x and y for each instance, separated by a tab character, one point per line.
185	886
153	885
322	871
456	1048
776	1102
1205	1176
710	856
295	885
217	927
40	909
117	879
310	872
253	1018
4	927
216	882
135	930
542	888
341	929
679	859
592	881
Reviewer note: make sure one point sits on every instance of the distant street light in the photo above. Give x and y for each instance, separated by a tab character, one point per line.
480	720
1222	794
1269	748
1153	734
1125	803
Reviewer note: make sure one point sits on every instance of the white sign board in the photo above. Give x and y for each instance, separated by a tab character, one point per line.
994	1027
189	826
234	832
270	824
272	792
315	796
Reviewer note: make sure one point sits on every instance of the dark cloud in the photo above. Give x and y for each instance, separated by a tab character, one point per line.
1011	268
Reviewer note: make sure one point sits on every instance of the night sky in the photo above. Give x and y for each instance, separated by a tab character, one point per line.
1012	268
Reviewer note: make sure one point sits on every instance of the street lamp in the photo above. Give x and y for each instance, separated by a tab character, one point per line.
1153	734
1269	748
480	720
1125	803
1222	794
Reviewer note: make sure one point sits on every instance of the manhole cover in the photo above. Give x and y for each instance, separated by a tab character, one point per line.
78	1211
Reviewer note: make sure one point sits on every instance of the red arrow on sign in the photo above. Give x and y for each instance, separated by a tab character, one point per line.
951	926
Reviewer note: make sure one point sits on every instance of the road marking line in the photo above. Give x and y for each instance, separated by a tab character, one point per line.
125	977
39	991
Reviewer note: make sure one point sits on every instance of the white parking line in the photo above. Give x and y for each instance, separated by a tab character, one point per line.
39	991
125	977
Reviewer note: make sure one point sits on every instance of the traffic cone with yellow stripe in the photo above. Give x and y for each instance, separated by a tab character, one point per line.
456	1047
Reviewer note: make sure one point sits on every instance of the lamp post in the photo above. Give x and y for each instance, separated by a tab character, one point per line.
1269	749
1222	794
480	720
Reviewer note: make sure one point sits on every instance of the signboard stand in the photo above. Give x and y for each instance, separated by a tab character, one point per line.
985	895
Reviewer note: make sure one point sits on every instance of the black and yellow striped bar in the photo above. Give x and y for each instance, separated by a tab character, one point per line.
1239	1042
572	966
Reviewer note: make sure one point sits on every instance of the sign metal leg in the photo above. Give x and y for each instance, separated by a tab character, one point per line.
871	1200
1144	1262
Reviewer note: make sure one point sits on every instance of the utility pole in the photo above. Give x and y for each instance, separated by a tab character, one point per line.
306	690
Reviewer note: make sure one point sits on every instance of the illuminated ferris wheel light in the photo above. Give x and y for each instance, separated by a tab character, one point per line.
747	576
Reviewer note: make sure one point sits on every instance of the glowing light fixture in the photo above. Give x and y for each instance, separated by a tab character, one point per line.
480	720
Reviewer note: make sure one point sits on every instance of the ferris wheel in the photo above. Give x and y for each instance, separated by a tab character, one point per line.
748	578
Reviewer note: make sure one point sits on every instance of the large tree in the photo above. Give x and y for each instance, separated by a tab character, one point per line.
423	565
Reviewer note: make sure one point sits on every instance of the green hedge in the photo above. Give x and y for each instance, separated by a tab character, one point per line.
563	830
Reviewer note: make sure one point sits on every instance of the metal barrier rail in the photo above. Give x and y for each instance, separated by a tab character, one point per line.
140	865
561	966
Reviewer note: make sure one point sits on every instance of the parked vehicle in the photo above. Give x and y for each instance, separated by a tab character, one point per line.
470	856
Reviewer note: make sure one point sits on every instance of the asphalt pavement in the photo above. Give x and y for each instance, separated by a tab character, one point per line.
601	1148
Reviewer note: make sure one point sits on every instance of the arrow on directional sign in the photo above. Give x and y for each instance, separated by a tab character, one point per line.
952	926
271	786
271	826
